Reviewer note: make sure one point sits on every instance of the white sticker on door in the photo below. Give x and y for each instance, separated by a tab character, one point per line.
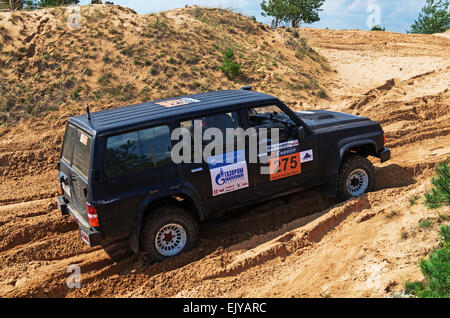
228	177
284	145
306	156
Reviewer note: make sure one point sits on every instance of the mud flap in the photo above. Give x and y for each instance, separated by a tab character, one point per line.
385	155
62	205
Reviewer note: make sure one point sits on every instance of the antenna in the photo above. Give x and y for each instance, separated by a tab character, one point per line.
88	112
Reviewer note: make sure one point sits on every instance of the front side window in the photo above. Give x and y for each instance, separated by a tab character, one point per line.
220	121
273	117
136	151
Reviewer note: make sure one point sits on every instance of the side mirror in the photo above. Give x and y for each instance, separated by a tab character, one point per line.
301	133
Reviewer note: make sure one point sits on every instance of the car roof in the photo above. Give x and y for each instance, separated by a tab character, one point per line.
134	115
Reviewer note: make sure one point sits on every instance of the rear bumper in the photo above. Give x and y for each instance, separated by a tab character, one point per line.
88	234
384	155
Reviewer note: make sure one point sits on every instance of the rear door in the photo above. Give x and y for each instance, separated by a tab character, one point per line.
75	166
222	177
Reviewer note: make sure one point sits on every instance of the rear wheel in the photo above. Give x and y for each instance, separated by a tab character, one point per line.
356	177
167	232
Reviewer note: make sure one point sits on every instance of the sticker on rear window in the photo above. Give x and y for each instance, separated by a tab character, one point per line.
83	139
178	102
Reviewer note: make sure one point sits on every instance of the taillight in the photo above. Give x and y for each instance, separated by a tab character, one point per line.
92	215
384	139
61	189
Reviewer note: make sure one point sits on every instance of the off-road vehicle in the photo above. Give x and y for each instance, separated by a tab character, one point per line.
118	178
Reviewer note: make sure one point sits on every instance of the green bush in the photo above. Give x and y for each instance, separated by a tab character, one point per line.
426	223
440	193
413	200
378	28
413	288
434	18
230	67
436	270
445	236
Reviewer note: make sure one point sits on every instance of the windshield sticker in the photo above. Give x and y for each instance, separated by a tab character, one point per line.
178	102
307	156
284	145
83	139
285	166
228	172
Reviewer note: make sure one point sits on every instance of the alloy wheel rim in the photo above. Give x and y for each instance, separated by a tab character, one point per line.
357	182
170	239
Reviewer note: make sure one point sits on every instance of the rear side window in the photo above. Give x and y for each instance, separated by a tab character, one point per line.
136	151
77	150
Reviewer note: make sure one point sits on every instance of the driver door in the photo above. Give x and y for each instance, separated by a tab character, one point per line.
285	165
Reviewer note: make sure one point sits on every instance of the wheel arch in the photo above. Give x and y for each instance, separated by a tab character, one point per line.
187	199
364	147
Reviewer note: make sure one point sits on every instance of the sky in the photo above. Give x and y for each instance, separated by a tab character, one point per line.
394	15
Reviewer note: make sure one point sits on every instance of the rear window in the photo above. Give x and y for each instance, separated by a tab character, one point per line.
77	150
69	140
137	151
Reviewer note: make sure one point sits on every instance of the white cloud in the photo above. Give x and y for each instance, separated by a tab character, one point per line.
356	5
335	6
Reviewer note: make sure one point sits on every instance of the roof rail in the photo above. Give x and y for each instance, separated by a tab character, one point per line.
246	88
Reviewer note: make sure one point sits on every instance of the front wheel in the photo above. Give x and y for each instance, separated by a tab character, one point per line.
356	177
167	232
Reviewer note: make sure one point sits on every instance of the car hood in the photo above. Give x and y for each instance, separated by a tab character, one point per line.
324	118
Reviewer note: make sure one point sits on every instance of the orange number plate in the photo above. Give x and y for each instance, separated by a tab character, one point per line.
286	166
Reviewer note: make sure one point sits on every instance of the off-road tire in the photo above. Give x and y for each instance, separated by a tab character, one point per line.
156	220
352	163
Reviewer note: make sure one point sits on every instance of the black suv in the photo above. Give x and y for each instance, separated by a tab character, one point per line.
118	177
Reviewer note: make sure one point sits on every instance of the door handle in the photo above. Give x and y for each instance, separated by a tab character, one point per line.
196	170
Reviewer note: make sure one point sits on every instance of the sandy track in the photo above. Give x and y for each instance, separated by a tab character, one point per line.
303	245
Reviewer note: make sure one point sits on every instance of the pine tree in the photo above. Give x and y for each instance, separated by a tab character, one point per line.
275	9
230	67
303	11
294	12
440	193
434	18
